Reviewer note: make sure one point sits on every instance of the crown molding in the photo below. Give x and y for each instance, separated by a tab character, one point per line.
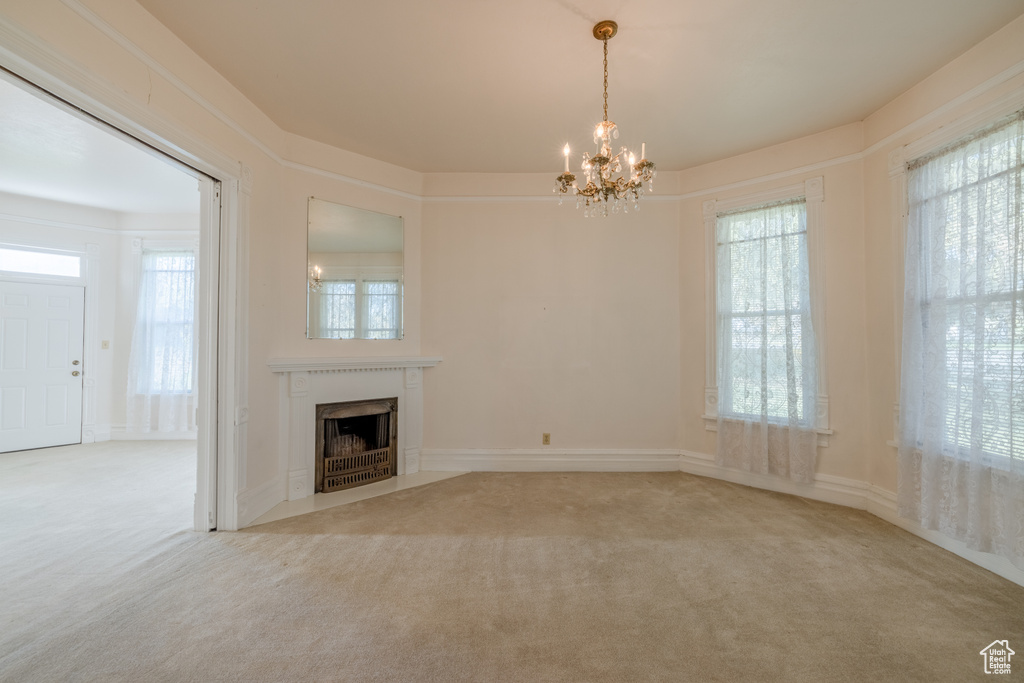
27	51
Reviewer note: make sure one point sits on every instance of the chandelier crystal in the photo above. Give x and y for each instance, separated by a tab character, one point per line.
608	190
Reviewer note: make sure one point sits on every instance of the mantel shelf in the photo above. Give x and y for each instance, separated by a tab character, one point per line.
351	364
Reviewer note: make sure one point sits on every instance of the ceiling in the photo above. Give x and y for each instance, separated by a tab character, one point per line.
49	153
485	86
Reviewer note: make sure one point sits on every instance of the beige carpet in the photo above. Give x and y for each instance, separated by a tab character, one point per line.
499	577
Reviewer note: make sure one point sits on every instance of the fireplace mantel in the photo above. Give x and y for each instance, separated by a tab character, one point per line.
351	364
307	382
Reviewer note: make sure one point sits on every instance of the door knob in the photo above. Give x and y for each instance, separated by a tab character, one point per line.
75	373
74	362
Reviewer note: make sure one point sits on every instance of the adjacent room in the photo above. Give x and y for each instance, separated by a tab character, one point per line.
544	341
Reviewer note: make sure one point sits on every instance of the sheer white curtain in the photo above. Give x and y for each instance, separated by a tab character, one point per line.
961	442
161	368
767	371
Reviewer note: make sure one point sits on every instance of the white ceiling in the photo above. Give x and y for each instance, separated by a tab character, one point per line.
48	153
485	86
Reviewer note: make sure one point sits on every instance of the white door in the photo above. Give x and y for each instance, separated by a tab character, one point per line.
40	365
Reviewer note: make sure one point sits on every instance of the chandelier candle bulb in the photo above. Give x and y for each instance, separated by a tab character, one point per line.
565	151
643	151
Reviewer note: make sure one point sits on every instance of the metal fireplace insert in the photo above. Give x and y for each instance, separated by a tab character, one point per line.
356	443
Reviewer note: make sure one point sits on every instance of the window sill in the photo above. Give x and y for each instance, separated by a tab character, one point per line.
711	425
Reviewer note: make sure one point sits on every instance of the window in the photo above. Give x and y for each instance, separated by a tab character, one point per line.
964	311
40	263
361	307
765	392
961	427
766	350
338	309
162	346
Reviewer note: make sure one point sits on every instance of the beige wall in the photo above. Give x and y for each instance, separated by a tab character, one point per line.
592	330
550	322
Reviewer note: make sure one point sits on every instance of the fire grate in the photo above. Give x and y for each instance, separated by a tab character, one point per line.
352	470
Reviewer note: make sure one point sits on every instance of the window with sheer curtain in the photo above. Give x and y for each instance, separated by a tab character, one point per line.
364	308
161	372
767	367
962	387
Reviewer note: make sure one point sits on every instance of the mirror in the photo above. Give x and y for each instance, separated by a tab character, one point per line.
354	273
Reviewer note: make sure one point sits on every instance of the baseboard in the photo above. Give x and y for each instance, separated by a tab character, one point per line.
95	433
882	504
254	502
120	433
549	460
826	488
850	493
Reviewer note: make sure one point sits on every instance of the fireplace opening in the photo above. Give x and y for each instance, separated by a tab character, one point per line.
355	443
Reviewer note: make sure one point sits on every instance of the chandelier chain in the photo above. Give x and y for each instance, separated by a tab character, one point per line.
605	79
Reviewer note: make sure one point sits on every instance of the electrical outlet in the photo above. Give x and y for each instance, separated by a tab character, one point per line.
105	344
546	439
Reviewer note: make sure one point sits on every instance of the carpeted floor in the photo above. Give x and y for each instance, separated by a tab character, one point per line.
491	577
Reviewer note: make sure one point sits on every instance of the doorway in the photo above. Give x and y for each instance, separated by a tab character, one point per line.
38	211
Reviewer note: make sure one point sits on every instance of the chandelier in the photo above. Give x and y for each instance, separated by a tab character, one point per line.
607	186
316	285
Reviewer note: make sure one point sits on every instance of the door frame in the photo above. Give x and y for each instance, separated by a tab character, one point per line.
223	415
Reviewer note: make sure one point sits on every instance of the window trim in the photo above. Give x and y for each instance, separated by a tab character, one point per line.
812	192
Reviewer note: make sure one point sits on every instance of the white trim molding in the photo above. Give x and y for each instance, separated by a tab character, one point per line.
351	364
812	190
254	502
549	460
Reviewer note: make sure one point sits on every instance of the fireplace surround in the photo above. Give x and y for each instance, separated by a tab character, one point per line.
305	383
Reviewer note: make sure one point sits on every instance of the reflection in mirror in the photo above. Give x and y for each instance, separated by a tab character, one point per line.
355	273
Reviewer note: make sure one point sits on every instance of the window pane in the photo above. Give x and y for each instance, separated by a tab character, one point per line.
166	315
966	216
338	309
40	263
380	301
764	314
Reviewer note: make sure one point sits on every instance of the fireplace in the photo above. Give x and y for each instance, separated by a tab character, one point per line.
356	443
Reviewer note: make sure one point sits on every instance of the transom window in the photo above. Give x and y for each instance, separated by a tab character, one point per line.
40	263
